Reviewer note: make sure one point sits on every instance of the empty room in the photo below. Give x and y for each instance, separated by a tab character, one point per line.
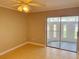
39	29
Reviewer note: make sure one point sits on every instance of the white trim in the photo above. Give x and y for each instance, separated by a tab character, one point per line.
34	43
4	52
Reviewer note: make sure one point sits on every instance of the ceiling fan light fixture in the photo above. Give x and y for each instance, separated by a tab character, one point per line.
24	5
25	8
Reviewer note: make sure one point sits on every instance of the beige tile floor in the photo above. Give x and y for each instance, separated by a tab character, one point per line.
37	52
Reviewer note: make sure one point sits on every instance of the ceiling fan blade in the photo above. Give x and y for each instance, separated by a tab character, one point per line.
16	5
20	8
35	4
26	1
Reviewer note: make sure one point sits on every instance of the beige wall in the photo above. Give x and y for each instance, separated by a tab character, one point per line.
16	28
37	23
36	28
13	28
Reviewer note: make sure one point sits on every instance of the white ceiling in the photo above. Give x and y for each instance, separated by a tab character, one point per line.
49	4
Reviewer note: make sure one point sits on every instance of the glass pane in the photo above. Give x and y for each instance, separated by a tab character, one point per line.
54	29
65	31
62	32
69	29
53	26
76	30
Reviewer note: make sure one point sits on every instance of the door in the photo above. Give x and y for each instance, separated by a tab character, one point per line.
53	32
69	29
62	32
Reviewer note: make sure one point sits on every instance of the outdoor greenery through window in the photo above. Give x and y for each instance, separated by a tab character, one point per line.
65	31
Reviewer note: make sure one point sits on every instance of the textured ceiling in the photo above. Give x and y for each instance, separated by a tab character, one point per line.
49	4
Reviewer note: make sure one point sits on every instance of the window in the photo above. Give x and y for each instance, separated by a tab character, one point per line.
76	30
48	31
54	29
70	19
65	31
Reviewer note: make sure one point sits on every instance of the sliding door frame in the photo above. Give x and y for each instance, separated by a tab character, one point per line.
60	35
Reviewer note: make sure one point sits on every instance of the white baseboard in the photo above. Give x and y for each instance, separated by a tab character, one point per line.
2	53
21	46
34	43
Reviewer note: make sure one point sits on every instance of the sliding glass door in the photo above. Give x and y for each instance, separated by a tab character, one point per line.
62	32
53	31
69	29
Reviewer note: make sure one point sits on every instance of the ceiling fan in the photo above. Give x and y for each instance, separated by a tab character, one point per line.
24	5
